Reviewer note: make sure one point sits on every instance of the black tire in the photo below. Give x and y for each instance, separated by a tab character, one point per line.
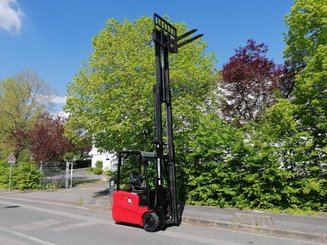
151	222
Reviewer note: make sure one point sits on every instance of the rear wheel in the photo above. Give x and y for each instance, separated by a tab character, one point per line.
151	222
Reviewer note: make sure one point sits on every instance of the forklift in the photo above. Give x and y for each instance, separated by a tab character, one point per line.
145	193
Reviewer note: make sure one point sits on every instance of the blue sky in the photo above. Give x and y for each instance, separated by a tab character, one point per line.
53	38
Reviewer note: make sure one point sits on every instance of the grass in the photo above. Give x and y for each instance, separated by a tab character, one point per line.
295	211
288	211
96	171
81	202
89	181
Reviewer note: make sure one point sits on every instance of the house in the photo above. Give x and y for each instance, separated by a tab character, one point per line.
109	160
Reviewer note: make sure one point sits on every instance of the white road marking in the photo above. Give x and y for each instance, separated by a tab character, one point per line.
61	213
31	238
74	226
43	201
195	238
10	241
37	225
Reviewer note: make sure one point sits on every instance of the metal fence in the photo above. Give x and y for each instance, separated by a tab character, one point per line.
53	173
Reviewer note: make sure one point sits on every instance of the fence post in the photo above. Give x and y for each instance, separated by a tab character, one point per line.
71	173
10	178
41	170
67	174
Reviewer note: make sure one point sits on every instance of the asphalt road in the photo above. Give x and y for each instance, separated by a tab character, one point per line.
37	222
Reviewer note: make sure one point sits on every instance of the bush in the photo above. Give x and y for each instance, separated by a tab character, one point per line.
4	175
97	171
98	168
271	164
99	164
25	175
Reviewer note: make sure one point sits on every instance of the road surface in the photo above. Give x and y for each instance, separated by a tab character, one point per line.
29	222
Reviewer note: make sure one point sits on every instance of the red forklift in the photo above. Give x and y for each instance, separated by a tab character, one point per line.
145	193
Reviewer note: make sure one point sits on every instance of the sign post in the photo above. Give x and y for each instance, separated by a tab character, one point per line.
11	160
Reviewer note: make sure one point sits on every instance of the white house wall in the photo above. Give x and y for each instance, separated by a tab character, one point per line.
109	160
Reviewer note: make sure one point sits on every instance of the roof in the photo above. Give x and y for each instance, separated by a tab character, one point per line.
145	154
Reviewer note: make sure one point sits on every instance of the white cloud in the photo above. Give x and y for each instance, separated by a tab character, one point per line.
58	99
10	16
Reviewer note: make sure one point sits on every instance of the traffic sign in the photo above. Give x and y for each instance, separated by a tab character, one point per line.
12	158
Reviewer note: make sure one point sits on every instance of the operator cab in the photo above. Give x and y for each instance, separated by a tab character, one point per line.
135	174
135	195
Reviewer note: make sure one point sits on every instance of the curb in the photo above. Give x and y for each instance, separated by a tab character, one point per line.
296	235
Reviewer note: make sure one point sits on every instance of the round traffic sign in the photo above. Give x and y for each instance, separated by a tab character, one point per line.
11	158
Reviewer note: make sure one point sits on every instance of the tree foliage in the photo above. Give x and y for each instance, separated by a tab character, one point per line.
262	165
22	98
213	178
307	31
45	139
111	96
306	42
298	154
279	161
310	98
250	83
276	160
25	176
306	50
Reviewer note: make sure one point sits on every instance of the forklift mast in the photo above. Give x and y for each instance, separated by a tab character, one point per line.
166	41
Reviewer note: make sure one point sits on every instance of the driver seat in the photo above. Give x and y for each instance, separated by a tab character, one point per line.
136	182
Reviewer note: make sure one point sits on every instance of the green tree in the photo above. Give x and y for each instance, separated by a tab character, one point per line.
307	31
244	167
306	51
22	98
216	152
277	141
310	96
111	96
300	168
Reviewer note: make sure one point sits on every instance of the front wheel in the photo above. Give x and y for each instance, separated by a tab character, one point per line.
151	222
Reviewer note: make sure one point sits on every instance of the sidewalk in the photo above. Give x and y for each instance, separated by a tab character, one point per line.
95	196
306	228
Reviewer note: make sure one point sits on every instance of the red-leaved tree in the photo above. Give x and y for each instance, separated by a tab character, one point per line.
45	139
250	84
